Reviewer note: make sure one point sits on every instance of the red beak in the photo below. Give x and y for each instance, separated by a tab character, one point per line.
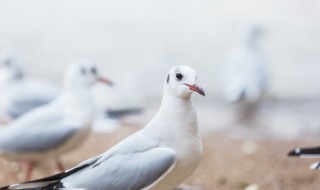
104	80
196	88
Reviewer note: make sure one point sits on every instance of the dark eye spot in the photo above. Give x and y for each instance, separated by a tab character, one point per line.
7	63
83	71
179	76
94	70
168	78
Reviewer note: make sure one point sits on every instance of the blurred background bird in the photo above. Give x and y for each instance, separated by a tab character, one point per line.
19	92
108	119
55	128
245	77
310	152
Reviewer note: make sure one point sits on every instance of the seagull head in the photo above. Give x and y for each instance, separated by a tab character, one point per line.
10	66
252	32
83	73
181	81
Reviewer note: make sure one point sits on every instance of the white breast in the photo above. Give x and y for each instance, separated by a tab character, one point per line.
188	158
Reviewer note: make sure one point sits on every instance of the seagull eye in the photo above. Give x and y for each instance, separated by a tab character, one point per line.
179	76
93	70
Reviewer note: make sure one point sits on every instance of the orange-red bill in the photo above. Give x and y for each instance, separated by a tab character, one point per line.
196	88
104	80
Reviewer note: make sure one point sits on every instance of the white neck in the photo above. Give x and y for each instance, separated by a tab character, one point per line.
173	104
79	104
175	114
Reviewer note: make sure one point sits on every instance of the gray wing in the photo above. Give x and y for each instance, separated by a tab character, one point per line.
29	94
36	139
124	172
20	107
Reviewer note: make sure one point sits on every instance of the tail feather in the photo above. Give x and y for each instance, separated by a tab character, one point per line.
48	183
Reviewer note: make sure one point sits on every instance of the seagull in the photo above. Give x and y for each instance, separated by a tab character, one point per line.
20	93
160	156
311	152
245	73
55	128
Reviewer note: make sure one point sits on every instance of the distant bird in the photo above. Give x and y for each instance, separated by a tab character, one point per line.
20	93
245	73
55	128
312	152
120	113
159	157
112	119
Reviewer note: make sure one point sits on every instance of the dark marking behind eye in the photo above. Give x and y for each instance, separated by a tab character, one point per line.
168	78
179	76
93	70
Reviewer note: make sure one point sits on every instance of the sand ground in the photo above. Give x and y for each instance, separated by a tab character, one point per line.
224	166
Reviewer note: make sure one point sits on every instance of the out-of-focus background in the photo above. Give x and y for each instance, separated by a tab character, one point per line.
136	42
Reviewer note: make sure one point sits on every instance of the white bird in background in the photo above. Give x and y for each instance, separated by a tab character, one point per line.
160	156
245	72
55	128
19	93
311	152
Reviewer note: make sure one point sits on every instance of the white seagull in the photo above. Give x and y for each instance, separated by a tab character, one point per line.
245	73
20	93
245	76
310	152
160	156
55	128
